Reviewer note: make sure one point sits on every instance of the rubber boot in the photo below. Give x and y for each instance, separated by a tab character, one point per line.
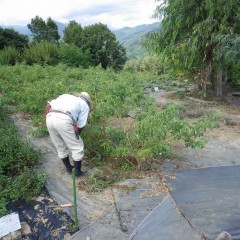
77	167
67	164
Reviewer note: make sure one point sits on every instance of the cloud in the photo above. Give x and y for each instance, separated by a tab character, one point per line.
114	13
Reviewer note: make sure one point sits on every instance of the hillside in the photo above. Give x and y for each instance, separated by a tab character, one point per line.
24	29
130	38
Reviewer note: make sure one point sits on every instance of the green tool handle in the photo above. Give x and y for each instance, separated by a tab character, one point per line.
75	199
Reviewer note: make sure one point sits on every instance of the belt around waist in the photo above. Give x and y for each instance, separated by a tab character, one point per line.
66	113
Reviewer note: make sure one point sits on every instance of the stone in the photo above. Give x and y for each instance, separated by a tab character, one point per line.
224	236
17	235
37	207
7	237
156	89
131	113
25	228
67	236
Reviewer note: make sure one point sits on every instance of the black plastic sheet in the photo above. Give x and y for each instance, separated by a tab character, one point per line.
165	223
203	203
209	198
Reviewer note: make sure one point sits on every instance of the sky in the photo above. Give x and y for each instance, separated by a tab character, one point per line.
116	14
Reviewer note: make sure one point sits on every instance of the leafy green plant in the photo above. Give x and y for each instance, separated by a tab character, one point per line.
19	180
9	56
115	143
42	53
74	56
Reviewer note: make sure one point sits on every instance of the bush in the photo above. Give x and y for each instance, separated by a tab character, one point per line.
146	64
19	180
9	56
74	56
43	53
148	135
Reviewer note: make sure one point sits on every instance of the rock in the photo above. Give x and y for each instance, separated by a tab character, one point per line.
7	237
67	236
156	89
44	220
25	228
224	236
17	235
37	207
131	113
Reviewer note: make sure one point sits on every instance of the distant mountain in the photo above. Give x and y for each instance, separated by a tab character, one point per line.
130	38
24	29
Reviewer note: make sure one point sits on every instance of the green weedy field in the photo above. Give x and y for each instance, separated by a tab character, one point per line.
117	145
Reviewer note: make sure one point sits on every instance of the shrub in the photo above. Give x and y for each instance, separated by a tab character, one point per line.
146	64
9	56
114	94
43	53
74	56
19	180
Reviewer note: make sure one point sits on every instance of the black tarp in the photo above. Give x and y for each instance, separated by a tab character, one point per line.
165	223
206	199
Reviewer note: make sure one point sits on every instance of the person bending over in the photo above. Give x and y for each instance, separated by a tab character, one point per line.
66	116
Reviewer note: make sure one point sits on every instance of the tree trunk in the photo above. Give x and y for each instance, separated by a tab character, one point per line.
209	73
209	76
219	81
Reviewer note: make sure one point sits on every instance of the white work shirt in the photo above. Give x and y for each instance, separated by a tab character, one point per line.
78	108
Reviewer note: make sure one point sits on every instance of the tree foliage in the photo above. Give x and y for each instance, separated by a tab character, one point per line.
73	34
74	56
10	37
44	31
100	41
193	32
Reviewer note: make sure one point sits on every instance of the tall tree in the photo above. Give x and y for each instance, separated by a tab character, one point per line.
52	31
104	47
73	34
192	33
11	38
44	31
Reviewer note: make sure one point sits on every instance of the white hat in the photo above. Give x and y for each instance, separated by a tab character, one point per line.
86	96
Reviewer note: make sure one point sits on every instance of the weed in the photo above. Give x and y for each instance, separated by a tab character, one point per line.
114	94
18	177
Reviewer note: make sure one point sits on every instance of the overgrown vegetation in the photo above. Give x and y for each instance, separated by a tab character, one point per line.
19	179
115	143
201	42
202	48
